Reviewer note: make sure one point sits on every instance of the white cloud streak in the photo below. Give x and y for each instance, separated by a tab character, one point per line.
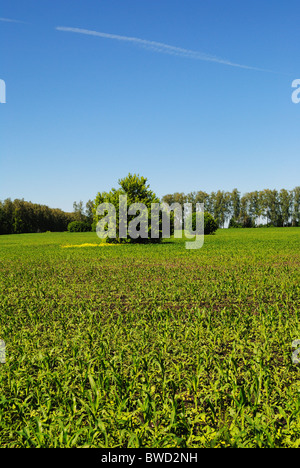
161	48
8	20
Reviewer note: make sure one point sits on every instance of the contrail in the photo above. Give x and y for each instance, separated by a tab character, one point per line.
161	48
8	20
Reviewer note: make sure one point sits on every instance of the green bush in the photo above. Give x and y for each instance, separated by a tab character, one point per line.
137	190
79	226
210	224
234	224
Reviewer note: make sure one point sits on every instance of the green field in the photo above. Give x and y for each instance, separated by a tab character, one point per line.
150	345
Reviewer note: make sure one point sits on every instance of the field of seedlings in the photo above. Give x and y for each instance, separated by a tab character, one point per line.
150	345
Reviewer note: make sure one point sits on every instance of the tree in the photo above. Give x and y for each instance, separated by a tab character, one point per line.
235	200
296	206
18	224
270	204
89	215
180	199
121	222
254	207
286	203
203	197
245	218
7	212
221	207
78	211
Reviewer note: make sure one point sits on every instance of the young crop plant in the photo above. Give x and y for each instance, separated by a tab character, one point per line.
150	346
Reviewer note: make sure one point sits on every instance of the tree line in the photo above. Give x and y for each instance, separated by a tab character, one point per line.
259	208
20	216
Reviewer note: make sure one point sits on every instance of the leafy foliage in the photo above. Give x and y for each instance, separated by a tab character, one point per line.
210	224
253	209
79	226
137	191
20	216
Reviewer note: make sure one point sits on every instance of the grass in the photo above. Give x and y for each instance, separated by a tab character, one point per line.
150	346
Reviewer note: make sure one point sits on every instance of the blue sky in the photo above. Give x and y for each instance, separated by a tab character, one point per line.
84	110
